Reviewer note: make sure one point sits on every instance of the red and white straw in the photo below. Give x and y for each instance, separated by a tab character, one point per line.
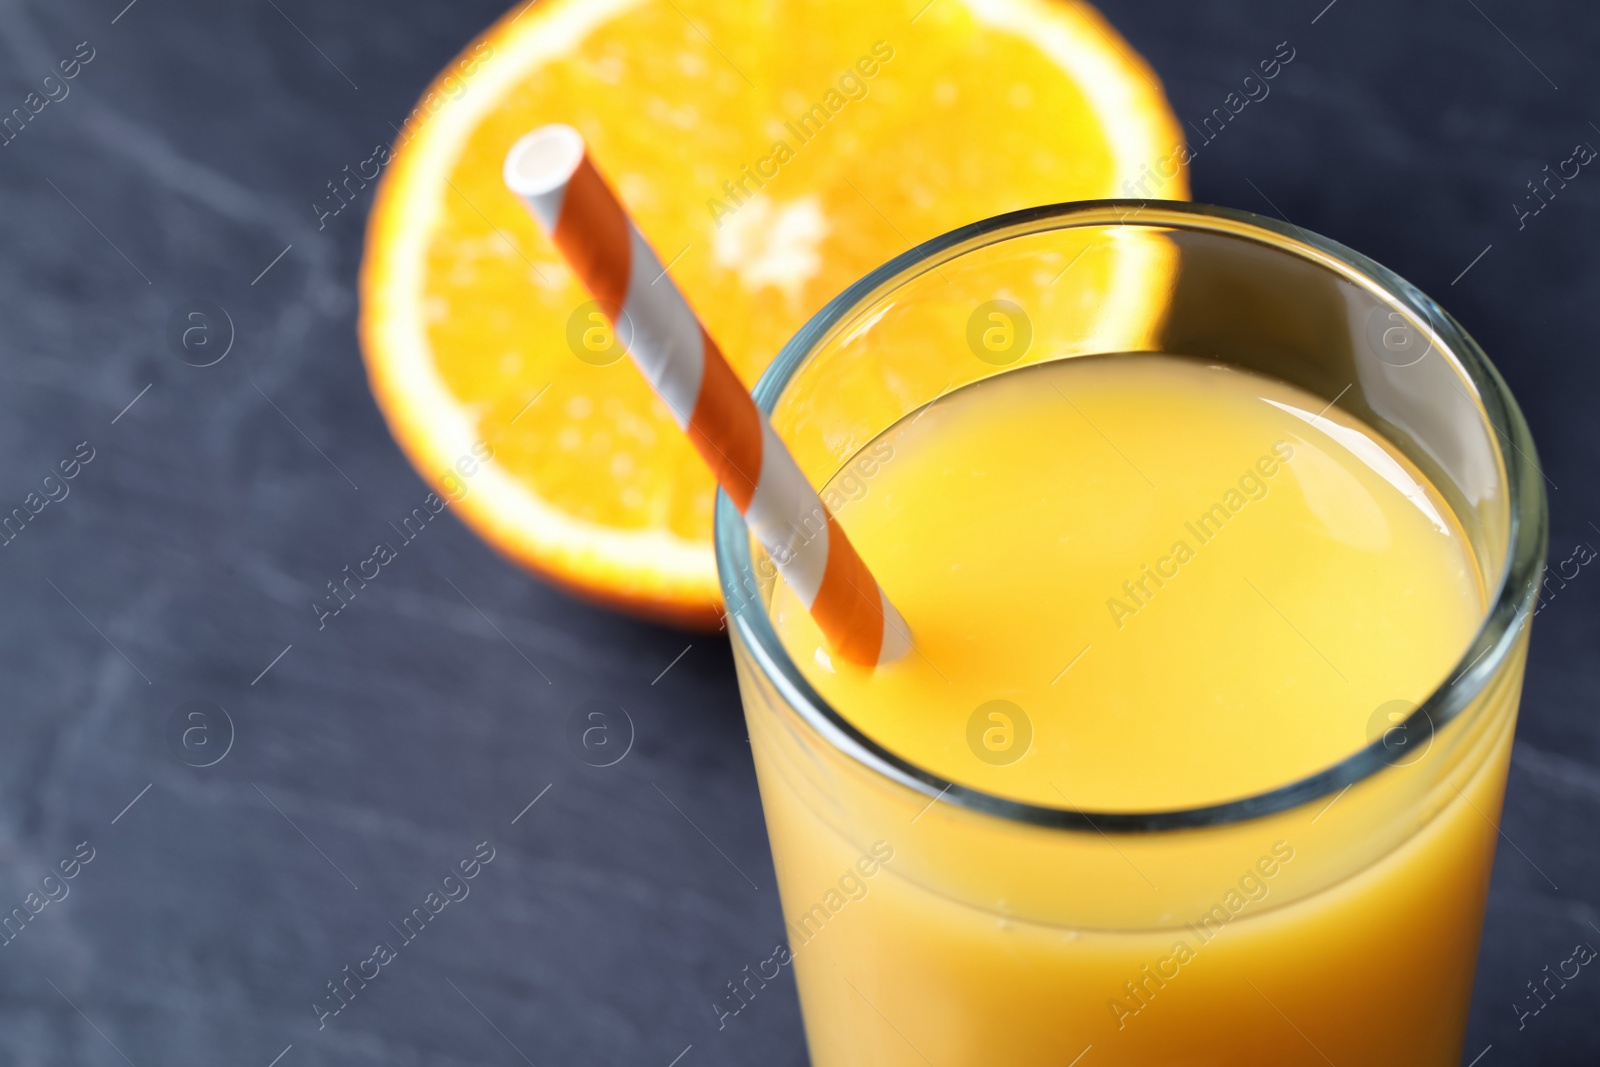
551	171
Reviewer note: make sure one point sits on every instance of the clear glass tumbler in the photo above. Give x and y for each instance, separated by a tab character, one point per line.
1332	920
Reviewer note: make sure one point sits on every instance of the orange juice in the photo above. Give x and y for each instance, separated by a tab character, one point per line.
1138	584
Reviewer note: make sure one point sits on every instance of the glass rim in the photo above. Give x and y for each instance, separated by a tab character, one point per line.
1508	606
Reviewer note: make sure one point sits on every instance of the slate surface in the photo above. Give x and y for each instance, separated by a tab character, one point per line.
380	751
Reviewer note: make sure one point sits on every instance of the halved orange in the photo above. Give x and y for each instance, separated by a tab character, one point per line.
772	153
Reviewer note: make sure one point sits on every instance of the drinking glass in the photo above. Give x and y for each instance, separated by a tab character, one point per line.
1334	919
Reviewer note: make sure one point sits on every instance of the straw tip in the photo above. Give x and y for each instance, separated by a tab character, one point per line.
896	635
542	161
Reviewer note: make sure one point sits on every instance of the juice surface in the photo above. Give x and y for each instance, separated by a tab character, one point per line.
1183	583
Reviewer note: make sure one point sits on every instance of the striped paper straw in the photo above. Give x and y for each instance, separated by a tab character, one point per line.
551	171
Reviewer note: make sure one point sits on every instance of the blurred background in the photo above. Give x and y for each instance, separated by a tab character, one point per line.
350	769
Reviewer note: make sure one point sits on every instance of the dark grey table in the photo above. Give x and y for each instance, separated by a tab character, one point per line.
371	758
